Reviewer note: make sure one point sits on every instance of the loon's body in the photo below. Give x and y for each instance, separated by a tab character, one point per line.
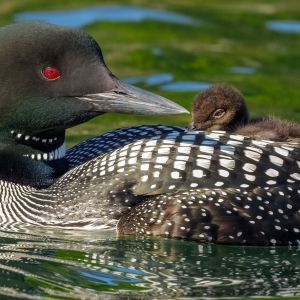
149	180
215	187
222	107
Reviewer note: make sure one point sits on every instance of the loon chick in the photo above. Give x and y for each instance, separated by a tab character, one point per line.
53	78
222	107
272	129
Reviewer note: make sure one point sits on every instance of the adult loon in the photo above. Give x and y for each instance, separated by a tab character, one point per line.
222	107
147	180
53	78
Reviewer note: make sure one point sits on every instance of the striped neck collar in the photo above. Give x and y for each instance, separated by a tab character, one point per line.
42	147
55	154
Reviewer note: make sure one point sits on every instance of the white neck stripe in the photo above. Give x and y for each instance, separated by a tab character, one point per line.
55	154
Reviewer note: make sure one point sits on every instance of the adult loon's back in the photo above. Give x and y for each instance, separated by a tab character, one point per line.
213	186
153	180
202	186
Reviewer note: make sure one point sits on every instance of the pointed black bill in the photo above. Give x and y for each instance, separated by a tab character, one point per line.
128	99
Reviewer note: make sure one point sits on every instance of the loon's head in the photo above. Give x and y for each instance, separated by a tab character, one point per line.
53	78
220	107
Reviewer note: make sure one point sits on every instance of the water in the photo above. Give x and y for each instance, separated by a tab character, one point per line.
284	26
185	86
82	17
101	266
165	82
155	79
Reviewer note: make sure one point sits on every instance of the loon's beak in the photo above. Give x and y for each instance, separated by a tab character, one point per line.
127	99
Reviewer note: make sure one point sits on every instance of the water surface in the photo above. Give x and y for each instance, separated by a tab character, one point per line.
83	17
154	79
284	26
51	263
165	82
185	86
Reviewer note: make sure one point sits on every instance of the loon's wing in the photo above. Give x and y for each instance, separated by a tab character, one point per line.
213	187
204	186
226	216
180	161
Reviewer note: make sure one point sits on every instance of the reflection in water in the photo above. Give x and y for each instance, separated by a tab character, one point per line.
165	83
185	86
284	26
36	265
82	17
154	79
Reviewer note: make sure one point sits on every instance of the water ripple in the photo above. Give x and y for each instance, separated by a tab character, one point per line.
101	266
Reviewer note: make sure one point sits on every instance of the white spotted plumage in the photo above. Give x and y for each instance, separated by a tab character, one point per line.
229	192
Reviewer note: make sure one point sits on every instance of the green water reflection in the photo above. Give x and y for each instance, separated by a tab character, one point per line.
96	265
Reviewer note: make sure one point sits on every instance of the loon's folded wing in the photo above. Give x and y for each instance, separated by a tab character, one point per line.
256	217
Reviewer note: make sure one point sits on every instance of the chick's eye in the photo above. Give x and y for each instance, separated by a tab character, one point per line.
50	73
218	113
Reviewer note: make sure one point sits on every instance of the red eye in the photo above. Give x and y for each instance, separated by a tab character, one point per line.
51	73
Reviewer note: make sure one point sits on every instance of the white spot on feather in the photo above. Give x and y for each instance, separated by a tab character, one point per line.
179	165
281	151
227	163
249	167
162	159
204	163
198	173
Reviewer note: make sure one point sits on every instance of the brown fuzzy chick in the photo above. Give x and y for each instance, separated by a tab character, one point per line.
222	107
272	129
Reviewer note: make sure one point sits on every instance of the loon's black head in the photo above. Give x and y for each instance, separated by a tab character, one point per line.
220	107
53	78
